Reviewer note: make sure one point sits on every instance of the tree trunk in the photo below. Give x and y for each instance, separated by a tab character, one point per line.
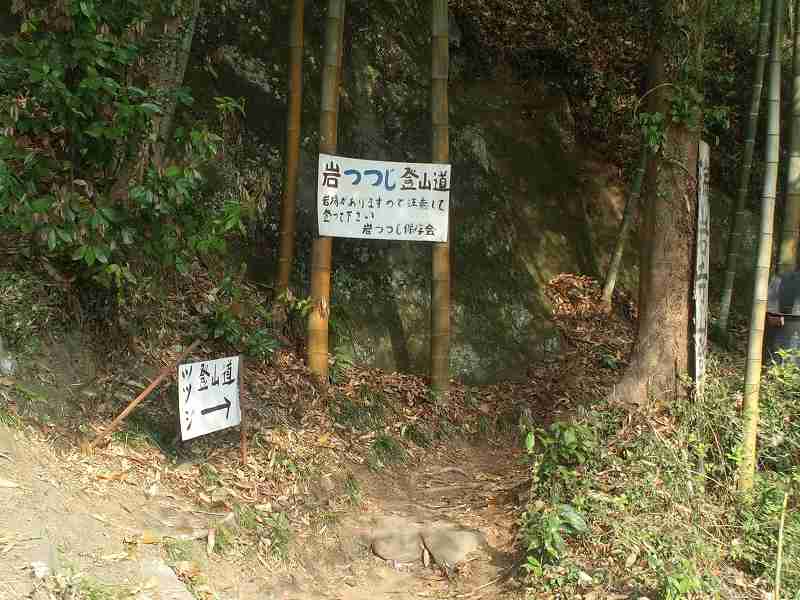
323	246
661	352
440	289
622	237
791	215
172	79
165	65
752	378
735	239
288	207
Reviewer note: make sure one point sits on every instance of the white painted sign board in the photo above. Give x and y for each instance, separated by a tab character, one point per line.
382	200
208	396
701	267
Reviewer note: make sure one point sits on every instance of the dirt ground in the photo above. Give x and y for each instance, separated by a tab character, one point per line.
100	518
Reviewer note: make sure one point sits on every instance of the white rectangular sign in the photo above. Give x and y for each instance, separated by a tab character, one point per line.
701	267
382	200
208	396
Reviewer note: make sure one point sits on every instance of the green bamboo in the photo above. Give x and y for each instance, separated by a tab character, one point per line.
791	216
752	381
735	240
440	289
622	236
323	246
289	204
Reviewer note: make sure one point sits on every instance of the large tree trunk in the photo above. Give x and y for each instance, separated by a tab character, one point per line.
323	246
661	352
288	207
791	215
752	377
737	226
440	288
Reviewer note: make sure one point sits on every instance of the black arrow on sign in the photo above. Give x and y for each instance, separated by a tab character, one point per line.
226	406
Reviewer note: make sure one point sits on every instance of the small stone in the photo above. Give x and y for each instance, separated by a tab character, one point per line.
40	569
400	547
8	365
448	547
159	581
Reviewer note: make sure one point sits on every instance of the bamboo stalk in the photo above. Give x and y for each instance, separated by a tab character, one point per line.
752	381
323	246
440	289
289	204
622	236
791	217
735	240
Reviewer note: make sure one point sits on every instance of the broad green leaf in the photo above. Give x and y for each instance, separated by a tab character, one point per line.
573	518
150	108
41	205
530	441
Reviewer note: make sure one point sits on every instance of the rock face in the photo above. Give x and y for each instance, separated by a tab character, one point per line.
527	203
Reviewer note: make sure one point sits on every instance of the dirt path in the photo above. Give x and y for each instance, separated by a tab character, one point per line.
109	526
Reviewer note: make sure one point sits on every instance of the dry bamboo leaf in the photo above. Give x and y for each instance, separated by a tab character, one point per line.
150	537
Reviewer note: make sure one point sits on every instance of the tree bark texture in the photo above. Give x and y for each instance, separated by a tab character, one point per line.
440	289
735	238
791	216
289	204
323	246
661	353
752	377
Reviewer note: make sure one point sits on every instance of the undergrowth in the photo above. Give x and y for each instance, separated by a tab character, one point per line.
28	308
653	509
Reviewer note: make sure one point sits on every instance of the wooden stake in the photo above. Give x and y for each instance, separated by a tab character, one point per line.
242	432
138	400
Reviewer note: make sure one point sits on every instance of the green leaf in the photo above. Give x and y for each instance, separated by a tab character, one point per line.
569	437
41	205
150	108
52	241
173	171
89	256
110	213
573	518
530	441
79	252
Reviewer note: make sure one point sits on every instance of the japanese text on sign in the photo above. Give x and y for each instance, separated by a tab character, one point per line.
701	267
208	396
382	200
